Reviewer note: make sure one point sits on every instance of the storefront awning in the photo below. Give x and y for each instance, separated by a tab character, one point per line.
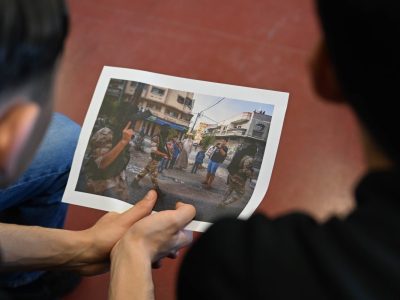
161	122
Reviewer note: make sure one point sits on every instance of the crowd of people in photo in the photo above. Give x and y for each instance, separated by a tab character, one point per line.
176	157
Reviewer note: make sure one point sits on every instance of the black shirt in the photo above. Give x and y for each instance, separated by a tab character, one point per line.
217	155
293	257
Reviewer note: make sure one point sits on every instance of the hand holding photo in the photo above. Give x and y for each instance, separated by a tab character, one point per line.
207	144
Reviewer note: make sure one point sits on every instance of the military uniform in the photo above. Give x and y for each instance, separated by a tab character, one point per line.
152	166
115	186
237	181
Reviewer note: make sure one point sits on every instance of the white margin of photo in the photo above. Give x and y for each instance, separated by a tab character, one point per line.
278	99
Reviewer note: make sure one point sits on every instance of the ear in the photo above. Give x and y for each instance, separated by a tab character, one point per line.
17	123
323	75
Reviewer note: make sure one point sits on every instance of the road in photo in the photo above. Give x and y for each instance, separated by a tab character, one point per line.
182	185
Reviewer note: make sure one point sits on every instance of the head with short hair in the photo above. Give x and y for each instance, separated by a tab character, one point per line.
250	150
32	34
361	43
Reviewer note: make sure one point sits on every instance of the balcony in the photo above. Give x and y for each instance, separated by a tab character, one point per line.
232	132
244	117
237	131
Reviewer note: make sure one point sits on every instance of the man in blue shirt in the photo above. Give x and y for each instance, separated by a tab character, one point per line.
217	158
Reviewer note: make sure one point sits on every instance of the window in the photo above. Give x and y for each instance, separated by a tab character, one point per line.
157	91
189	102
172	113
181	99
185	101
186	117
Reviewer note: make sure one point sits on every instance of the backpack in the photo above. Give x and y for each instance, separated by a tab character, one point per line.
210	151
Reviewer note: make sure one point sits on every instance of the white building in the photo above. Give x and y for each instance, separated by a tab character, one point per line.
253	125
245	128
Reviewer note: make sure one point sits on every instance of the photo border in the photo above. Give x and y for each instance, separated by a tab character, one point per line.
278	99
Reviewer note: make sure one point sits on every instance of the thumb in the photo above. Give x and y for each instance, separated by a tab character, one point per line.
184	214
141	209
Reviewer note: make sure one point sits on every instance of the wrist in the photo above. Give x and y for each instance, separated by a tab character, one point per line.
85	250
130	272
130	249
124	142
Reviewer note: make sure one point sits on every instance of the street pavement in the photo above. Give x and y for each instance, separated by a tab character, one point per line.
182	185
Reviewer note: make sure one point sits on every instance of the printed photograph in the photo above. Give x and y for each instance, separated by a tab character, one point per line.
199	149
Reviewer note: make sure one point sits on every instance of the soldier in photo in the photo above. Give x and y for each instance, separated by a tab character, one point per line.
105	169
240	169
158	151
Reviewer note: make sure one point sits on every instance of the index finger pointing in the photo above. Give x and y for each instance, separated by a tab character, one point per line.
128	125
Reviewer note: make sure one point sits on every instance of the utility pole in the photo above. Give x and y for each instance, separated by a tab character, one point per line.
195	121
201	112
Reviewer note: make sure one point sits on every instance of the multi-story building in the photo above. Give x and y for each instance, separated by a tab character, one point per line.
167	106
253	125
201	129
245	128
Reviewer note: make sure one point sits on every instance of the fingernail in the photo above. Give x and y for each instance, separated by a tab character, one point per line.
149	195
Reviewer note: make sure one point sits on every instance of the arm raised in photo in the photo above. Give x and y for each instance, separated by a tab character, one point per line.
106	159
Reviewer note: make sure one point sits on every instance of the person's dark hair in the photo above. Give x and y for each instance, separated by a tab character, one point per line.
32	34
362	42
250	150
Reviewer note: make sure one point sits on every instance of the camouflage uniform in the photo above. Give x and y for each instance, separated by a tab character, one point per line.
152	166
237	181
116	187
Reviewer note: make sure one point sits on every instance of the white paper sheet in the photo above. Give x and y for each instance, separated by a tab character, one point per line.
241	113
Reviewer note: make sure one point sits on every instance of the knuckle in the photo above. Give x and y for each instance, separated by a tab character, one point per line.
113	214
174	221
142	207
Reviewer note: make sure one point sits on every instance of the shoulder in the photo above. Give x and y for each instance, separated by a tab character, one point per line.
295	257
231	239
102	136
103	131
252	253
